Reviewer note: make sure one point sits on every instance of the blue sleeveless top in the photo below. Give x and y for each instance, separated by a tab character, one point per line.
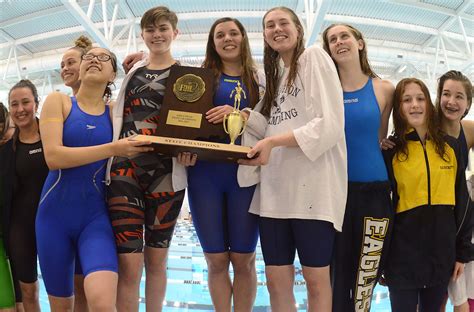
362	122
464	149
80	130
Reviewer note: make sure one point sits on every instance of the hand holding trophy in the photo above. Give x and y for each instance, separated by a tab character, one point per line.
181	125
234	124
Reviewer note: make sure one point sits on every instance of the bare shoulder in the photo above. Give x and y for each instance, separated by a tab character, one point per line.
468	127
57	99
383	90
56	96
57	103
383	86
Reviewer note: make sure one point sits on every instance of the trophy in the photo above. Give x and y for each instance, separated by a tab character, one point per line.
182	126
234	124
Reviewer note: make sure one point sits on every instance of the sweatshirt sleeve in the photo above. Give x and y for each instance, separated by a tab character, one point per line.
324	102
463	212
256	123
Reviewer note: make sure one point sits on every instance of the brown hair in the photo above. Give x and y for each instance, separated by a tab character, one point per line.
271	60
4	119
213	61
25	83
82	44
456	76
363	59
153	15
401	125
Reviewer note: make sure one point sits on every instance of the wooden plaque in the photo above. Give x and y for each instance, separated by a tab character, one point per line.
204	150
182	125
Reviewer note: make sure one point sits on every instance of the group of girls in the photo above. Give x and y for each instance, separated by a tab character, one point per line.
316	182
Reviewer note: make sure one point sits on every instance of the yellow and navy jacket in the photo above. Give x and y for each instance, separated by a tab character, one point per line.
432	225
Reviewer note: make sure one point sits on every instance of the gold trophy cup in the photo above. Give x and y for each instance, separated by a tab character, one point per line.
234	123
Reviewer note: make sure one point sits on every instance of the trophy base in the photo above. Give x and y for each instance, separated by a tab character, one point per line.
205	150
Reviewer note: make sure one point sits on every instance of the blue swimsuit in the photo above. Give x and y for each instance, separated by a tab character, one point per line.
72	217
218	205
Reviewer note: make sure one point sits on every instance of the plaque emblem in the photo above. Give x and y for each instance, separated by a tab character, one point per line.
189	88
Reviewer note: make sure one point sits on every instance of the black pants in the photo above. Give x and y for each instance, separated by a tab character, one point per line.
427	299
360	247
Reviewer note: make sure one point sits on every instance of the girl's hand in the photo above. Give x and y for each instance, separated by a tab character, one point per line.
261	151
458	270
187	159
131	60
387	144
127	147
216	115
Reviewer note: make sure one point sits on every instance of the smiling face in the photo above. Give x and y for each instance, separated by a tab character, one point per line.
22	107
70	65
413	106
280	32
95	70
228	41
159	36
453	100
343	46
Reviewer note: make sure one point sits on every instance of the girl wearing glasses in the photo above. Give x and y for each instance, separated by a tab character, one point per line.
70	64
72	215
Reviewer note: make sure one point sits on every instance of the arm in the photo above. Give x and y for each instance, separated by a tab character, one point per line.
59	156
132	59
324	102
462	212
261	151
384	90
468	126
216	114
256	122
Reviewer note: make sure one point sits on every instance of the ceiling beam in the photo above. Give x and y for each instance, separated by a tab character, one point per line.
32	16
435	8
11	40
86	22
459	12
317	21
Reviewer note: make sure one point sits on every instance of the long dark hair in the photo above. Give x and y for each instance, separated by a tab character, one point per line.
271	60
108	90
401	125
213	61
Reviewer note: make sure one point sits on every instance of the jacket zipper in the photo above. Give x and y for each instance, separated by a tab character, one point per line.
428	176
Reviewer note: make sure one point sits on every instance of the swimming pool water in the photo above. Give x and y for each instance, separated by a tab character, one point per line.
187	279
